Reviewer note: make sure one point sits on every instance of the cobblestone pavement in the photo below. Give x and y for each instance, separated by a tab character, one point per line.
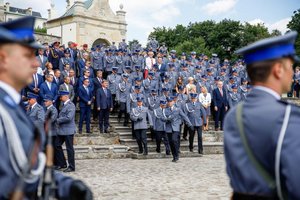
190	178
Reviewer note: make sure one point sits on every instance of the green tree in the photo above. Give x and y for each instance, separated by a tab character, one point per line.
40	30
131	42
197	44
294	24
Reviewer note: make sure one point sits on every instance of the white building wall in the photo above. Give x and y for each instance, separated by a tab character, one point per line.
67	32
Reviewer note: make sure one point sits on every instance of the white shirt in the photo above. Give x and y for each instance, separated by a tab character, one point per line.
67	86
205	100
149	64
66	102
11	92
268	90
49	107
33	105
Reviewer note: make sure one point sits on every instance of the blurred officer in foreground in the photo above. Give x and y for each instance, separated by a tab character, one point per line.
22	161
261	135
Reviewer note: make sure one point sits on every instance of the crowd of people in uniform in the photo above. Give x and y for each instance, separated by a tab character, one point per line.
108	80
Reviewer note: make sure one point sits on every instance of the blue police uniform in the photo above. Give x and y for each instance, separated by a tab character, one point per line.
262	117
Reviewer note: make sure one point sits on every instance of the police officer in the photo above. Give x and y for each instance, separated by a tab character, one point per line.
113	80
197	115
140	115
174	116
97	59
234	97
66	130
159	127
261	135
17	49
35	111
123	91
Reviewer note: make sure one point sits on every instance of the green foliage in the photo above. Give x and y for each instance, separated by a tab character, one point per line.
40	30
208	37
294	24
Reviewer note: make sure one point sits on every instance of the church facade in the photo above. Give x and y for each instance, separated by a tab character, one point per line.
89	22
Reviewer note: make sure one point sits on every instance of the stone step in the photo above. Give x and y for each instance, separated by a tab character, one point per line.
154	155
122	151
100	152
209	137
208	147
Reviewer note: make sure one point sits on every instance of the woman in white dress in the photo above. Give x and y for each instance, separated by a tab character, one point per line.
205	99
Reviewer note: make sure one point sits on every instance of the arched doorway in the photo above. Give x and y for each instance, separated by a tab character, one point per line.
101	41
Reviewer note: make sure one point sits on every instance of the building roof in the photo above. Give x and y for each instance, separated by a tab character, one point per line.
70	11
24	11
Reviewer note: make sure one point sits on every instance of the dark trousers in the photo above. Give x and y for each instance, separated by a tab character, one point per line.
141	139
85	115
220	116
185	131
95	111
174	143
192	136
133	131
55	162
162	135
123	111
103	119
61	160
115	106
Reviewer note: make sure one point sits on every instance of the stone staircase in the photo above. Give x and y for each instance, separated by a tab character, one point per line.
119	143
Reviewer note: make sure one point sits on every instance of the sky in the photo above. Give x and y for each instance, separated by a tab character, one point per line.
143	15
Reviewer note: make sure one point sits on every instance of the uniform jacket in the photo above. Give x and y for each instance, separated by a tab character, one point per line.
66	119
54	116
139	117
37	116
159	120
174	118
195	113
123	91
262	117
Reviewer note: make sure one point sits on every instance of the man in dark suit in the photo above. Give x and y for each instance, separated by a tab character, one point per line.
221	104
50	88
97	81
85	101
34	86
104	106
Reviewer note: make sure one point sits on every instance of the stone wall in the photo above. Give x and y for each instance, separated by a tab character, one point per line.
41	37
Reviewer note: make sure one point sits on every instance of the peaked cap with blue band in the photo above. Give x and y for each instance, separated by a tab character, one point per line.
20	31
270	48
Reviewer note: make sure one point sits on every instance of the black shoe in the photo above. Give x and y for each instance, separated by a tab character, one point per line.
119	119
80	132
69	170
185	138
200	152
168	153
88	132
174	160
60	168
191	150
145	153
106	131
140	152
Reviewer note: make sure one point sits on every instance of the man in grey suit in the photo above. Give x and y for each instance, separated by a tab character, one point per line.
139	116
66	131
36	112
42	59
261	134
66	86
